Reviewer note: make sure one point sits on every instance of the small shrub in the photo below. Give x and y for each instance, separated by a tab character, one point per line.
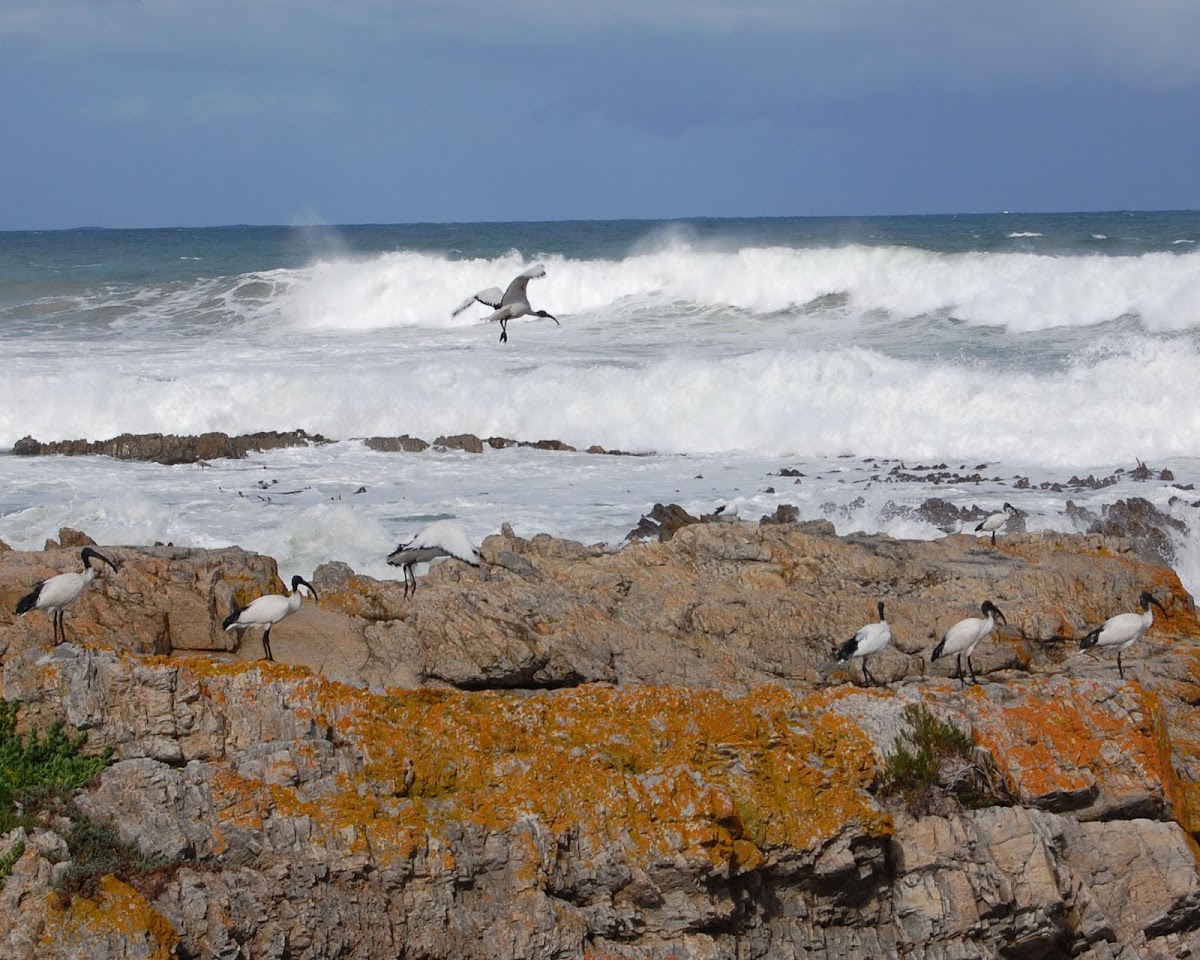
935	762
9	860
39	773
38	779
97	849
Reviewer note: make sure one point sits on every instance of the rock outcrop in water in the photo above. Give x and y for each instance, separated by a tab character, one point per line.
646	753
169	448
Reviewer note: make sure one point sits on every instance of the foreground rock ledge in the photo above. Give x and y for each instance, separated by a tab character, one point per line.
730	815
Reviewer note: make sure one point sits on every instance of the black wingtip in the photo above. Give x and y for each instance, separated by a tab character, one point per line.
848	650
937	651
230	620
1090	640
29	601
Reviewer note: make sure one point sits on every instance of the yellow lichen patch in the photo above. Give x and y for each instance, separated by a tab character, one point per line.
1070	736
663	771
211	667
120	920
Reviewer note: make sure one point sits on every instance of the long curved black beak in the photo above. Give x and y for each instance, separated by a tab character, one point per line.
89	553
548	316
311	589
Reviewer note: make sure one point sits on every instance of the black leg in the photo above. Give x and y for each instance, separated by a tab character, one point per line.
993	544
958	674
1120	669
267	644
504	331
974	679
867	673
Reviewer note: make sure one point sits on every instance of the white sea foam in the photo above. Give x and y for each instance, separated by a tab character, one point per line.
1015	291
1023	233
1127	397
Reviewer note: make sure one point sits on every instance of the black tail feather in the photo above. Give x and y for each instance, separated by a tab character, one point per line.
29	601
234	613
1090	639
847	650
937	651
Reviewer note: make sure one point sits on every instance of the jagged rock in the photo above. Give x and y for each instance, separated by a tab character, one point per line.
640	819
662	522
1148	529
403	443
74	538
462	441
681	769
784	513
169	449
549	445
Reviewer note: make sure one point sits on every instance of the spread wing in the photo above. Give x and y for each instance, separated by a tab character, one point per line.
490	297
516	289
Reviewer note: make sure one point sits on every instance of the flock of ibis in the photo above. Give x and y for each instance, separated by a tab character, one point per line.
447	539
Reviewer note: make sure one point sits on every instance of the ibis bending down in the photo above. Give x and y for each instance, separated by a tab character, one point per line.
58	593
267	611
728	511
870	639
965	636
510	304
1123	630
442	538
996	521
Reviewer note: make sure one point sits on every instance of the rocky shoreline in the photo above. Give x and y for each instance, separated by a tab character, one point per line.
172	449
641	753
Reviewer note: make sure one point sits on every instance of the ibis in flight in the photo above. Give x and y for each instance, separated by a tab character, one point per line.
510	304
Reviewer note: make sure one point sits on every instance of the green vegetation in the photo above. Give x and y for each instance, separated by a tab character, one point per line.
38	779
97	849
9	860
935	762
39	774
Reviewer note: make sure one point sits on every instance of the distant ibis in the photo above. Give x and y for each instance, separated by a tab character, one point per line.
58	593
996	521
869	640
1123	630
266	611
442	538
965	636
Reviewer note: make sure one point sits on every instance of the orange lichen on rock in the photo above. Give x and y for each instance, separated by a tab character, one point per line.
663	771
1066	741
660	772
121	919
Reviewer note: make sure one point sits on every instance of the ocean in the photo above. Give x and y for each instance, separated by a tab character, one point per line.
819	362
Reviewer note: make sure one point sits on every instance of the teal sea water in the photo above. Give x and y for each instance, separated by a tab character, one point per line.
1040	345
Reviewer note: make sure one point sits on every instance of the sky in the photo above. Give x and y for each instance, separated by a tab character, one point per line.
140	113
